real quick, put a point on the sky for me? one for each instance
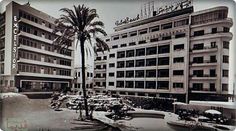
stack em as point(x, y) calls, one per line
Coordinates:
point(112, 10)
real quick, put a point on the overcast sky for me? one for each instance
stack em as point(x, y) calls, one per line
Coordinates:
point(111, 10)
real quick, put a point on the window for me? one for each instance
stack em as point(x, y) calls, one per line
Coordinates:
point(198, 33)
point(224, 87)
point(178, 72)
point(139, 63)
point(198, 73)
point(111, 83)
point(121, 54)
point(155, 28)
point(104, 84)
point(198, 46)
point(163, 49)
point(197, 59)
point(139, 84)
point(140, 52)
point(132, 43)
point(98, 58)
point(111, 55)
point(143, 32)
point(225, 59)
point(213, 59)
point(35, 32)
point(97, 83)
point(114, 46)
point(133, 33)
point(181, 22)
point(153, 39)
point(28, 30)
point(123, 45)
point(142, 42)
point(166, 37)
point(166, 26)
point(163, 73)
point(225, 73)
point(98, 76)
point(212, 87)
point(139, 73)
point(150, 85)
point(214, 30)
point(115, 37)
point(107, 40)
point(178, 85)
point(120, 64)
point(129, 53)
point(120, 74)
point(104, 57)
point(111, 74)
point(20, 13)
point(36, 20)
point(178, 59)
point(104, 66)
point(225, 29)
point(129, 84)
point(151, 62)
point(178, 47)
point(129, 74)
point(225, 44)
point(162, 84)
point(130, 63)
point(151, 50)
point(180, 35)
point(212, 73)
point(197, 86)
point(163, 61)
point(112, 65)
point(87, 74)
point(124, 36)
point(120, 84)
point(150, 73)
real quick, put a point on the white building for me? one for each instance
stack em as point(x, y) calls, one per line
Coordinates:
point(181, 54)
point(28, 59)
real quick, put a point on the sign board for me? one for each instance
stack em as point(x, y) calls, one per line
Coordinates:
point(14, 44)
point(145, 13)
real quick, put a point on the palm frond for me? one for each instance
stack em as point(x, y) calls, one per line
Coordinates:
point(97, 30)
point(101, 45)
point(97, 23)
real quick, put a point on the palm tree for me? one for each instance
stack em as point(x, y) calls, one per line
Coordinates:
point(80, 23)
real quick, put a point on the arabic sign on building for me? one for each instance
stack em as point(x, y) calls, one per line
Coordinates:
point(173, 7)
point(126, 20)
point(148, 10)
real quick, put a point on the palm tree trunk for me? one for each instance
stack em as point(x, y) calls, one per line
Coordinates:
point(83, 77)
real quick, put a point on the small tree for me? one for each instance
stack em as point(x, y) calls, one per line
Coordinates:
point(80, 24)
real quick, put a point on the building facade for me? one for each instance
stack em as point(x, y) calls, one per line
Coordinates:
point(29, 61)
point(180, 54)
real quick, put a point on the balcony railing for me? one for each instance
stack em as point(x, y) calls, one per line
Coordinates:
point(204, 75)
point(204, 48)
point(203, 89)
point(203, 62)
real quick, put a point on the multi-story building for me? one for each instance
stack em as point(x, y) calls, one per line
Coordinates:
point(29, 61)
point(100, 72)
point(180, 54)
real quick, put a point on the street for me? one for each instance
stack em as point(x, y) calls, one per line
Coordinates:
point(23, 114)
